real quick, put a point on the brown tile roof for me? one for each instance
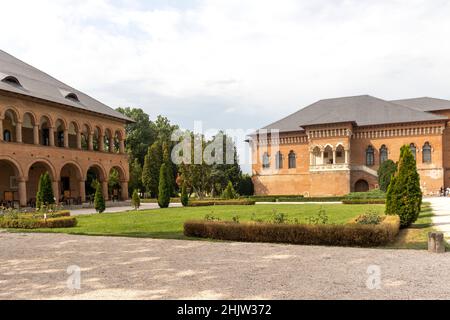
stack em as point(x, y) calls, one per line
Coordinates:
point(38, 84)
point(362, 110)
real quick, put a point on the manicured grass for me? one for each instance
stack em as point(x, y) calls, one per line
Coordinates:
point(168, 223)
point(416, 236)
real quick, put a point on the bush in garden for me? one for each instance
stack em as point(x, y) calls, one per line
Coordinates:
point(184, 196)
point(99, 200)
point(385, 173)
point(404, 197)
point(164, 187)
point(229, 193)
point(136, 200)
point(44, 196)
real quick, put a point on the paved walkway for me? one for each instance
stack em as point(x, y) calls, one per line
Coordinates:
point(144, 206)
point(34, 266)
point(441, 218)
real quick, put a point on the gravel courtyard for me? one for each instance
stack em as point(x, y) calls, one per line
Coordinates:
point(34, 266)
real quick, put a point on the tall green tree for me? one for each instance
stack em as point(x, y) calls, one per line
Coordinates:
point(385, 173)
point(151, 170)
point(141, 134)
point(99, 200)
point(45, 195)
point(135, 176)
point(404, 197)
point(170, 172)
point(164, 188)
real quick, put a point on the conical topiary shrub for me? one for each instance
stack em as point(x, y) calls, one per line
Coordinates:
point(44, 196)
point(184, 195)
point(136, 200)
point(99, 200)
point(164, 188)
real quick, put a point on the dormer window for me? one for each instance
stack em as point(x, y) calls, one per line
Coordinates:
point(73, 97)
point(12, 81)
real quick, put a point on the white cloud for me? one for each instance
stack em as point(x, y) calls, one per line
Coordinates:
point(234, 63)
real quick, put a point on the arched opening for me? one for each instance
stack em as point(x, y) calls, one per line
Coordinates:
point(328, 155)
point(9, 188)
point(28, 128)
point(383, 154)
point(94, 175)
point(73, 135)
point(117, 139)
point(96, 139)
point(361, 186)
point(12, 81)
point(107, 141)
point(426, 153)
point(59, 133)
point(279, 160)
point(34, 174)
point(292, 160)
point(316, 157)
point(413, 148)
point(85, 133)
point(370, 156)
point(44, 131)
point(266, 161)
point(340, 155)
point(115, 179)
point(9, 126)
point(70, 184)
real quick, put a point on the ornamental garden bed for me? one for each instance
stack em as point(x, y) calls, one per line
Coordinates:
point(16, 220)
point(207, 203)
point(352, 234)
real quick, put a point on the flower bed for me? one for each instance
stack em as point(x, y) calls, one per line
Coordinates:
point(13, 219)
point(207, 203)
point(353, 234)
point(294, 199)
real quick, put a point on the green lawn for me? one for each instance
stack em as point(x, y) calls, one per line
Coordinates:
point(168, 223)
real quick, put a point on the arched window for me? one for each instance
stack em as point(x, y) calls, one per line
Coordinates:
point(279, 160)
point(266, 161)
point(426, 153)
point(383, 154)
point(7, 136)
point(370, 156)
point(413, 148)
point(292, 160)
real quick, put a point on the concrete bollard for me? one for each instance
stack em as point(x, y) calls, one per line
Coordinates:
point(436, 242)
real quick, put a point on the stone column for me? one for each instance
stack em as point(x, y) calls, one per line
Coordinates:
point(111, 145)
point(101, 143)
point(347, 158)
point(56, 192)
point(334, 156)
point(36, 134)
point(323, 156)
point(105, 190)
point(51, 138)
point(79, 140)
point(66, 138)
point(91, 141)
point(124, 193)
point(82, 188)
point(122, 146)
point(22, 192)
point(19, 132)
point(1, 129)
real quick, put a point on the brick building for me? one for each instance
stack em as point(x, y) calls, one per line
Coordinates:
point(335, 146)
point(47, 126)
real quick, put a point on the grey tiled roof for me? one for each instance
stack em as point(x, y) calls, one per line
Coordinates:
point(362, 110)
point(38, 84)
point(425, 104)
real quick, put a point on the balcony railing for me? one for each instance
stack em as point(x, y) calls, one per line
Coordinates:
point(329, 167)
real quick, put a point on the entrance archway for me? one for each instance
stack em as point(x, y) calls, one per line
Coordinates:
point(361, 186)
point(71, 184)
point(9, 184)
point(118, 184)
point(34, 173)
point(95, 173)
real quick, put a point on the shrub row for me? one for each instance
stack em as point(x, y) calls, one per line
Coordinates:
point(28, 223)
point(295, 199)
point(208, 203)
point(38, 215)
point(374, 194)
point(364, 201)
point(304, 234)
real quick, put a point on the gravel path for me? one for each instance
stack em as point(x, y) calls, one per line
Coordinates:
point(33, 266)
point(144, 206)
point(441, 218)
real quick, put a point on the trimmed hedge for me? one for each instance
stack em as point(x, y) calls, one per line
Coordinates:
point(355, 235)
point(38, 215)
point(374, 194)
point(208, 203)
point(29, 223)
point(295, 199)
point(364, 201)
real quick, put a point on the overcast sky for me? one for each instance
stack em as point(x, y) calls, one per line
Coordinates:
point(234, 63)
